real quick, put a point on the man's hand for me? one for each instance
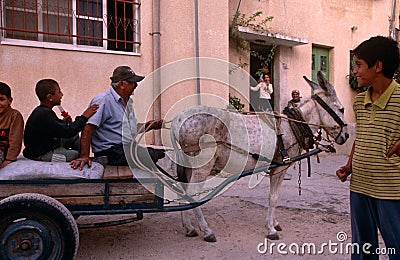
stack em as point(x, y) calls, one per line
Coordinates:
point(5, 163)
point(154, 124)
point(395, 150)
point(343, 172)
point(80, 162)
point(86, 139)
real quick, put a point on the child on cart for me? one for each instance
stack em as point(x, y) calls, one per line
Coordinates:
point(11, 128)
point(47, 137)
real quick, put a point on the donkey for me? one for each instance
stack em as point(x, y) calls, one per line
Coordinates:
point(236, 138)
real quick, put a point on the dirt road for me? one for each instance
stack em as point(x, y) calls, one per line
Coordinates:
point(237, 217)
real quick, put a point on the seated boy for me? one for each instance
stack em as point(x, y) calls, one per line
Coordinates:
point(47, 137)
point(11, 128)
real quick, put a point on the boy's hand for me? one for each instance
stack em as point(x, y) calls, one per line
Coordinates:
point(343, 172)
point(90, 111)
point(395, 150)
point(68, 119)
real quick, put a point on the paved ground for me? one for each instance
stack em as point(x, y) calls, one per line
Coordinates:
point(238, 220)
point(322, 191)
point(237, 217)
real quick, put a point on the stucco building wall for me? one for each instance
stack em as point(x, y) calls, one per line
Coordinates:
point(322, 23)
point(83, 74)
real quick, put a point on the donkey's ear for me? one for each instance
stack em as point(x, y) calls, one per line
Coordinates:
point(324, 84)
point(312, 84)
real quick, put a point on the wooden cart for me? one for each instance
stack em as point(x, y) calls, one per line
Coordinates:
point(38, 217)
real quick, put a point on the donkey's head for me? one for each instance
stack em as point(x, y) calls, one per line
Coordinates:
point(330, 109)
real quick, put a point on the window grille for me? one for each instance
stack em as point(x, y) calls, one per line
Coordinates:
point(106, 24)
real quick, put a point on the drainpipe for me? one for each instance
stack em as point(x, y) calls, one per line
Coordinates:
point(156, 65)
point(237, 10)
point(393, 21)
point(196, 25)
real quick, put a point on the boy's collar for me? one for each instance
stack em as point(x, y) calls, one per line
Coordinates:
point(382, 101)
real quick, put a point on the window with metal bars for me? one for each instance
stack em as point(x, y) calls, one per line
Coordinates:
point(106, 24)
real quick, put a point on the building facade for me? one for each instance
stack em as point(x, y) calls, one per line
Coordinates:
point(80, 42)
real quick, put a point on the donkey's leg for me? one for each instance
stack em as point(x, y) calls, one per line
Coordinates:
point(275, 184)
point(197, 179)
point(187, 224)
point(203, 225)
point(183, 175)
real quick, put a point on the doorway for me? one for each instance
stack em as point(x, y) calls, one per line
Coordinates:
point(320, 61)
point(256, 61)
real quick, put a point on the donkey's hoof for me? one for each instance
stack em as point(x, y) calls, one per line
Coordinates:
point(210, 238)
point(278, 228)
point(273, 236)
point(192, 233)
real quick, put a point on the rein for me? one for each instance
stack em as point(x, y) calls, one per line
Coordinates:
point(278, 115)
point(329, 110)
point(314, 97)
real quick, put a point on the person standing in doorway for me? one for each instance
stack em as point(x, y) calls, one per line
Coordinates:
point(265, 71)
point(265, 89)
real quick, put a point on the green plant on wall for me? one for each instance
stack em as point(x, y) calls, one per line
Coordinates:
point(235, 104)
point(396, 76)
point(256, 24)
point(250, 22)
point(242, 45)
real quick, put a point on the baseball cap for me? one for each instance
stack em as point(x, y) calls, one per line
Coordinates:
point(125, 73)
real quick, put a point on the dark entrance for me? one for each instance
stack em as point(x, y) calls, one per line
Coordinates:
point(255, 67)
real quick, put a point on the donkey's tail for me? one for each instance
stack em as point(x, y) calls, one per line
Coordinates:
point(179, 155)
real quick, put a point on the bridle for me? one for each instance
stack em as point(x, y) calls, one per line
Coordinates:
point(330, 111)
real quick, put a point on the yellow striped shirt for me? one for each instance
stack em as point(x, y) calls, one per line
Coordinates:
point(378, 128)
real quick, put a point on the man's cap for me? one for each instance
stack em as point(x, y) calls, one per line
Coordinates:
point(296, 91)
point(125, 73)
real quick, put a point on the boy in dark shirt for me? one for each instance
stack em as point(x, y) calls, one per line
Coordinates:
point(11, 128)
point(48, 138)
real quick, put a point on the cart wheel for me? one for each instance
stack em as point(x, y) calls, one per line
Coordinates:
point(35, 226)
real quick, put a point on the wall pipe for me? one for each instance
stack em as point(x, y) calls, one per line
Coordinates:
point(393, 21)
point(156, 65)
point(196, 25)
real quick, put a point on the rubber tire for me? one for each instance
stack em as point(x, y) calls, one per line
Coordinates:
point(35, 226)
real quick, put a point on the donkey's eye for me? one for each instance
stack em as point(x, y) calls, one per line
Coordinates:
point(341, 110)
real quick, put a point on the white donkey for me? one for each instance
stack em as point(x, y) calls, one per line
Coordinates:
point(235, 139)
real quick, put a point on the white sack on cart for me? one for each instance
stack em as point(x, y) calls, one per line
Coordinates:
point(25, 169)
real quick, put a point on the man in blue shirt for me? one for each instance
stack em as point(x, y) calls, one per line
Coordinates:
point(115, 123)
